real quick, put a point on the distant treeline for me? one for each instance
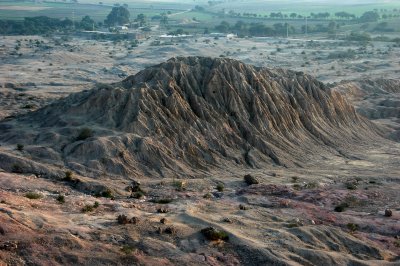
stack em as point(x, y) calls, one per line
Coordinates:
point(369, 16)
point(243, 29)
point(259, 30)
point(43, 25)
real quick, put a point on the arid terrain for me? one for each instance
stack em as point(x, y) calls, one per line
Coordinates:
point(288, 219)
point(81, 121)
point(200, 150)
point(47, 68)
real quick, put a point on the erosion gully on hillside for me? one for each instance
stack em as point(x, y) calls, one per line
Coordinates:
point(325, 188)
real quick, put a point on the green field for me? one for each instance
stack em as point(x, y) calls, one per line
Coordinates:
point(304, 7)
point(19, 10)
point(182, 18)
point(150, 8)
point(203, 16)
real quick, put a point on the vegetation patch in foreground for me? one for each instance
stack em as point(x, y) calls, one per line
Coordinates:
point(33, 195)
point(90, 208)
point(213, 234)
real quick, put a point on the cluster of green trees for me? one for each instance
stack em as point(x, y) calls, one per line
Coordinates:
point(243, 29)
point(324, 15)
point(330, 28)
point(34, 25)
point(369, 16)
point(344, 15)
point(254, 29)
point(44, 25)
point(87, 23)
point(119, 15)
point(278, 29)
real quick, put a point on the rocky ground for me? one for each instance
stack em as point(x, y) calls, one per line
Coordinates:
point(288, 218)
point(330, 209)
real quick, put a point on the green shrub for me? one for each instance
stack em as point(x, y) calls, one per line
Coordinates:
point(162, 210)
point(122, 219)
point(162, 201)
point(220, 187)
point(297, 187)
point(341, 207)
point(28, 106)
point(127, 249)
point(169, 230)
point(351, 185)
point(107, 194)
point(208, 196)
point(352, 227)
point(16, 168)
point(88, 208)
point(213, 234)
point(243, 207)
point(20, 147)
point(227, 220)
point(179, 185)
point(312, 185)
point(61, 199)
point(33, 195)
point(250, 180)
point(85, 133)
point(388, 213)
point(68, 176)
point(137, 195)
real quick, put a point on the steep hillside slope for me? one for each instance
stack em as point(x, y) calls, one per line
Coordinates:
point(189, 114)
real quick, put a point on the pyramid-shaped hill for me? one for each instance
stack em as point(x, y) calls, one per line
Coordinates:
point(191, 114)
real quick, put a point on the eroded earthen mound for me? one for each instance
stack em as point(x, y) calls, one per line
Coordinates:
point(189, 114)
point(378, 100)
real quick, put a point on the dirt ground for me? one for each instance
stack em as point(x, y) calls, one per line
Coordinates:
point(50, 67)
point(289, 218)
